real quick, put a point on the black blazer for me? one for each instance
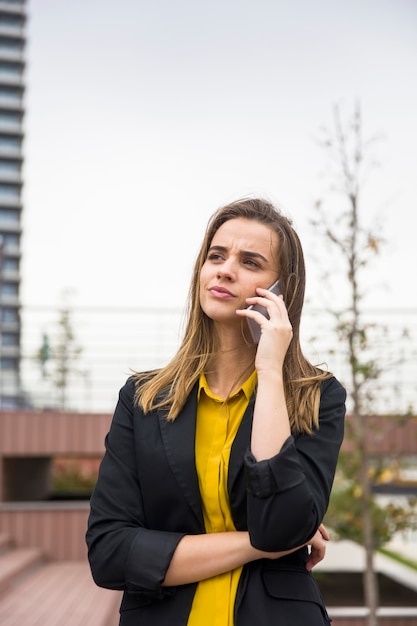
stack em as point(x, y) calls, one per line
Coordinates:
point(147, 498)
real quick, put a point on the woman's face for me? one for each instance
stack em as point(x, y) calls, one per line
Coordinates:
point(243, 256)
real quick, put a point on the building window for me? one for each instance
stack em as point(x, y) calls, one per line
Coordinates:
point(9, 216)
point(11, 45)
point(11, 20)
point(9, 339)
point(9, 289)
point(9, 167)
point(10, 141)
point(10, 265)
point(14, 69)
point(8, 364)
point(7, 117)
point(9, 191)
point(9, 316)
point(13, 96)
point(10, 240)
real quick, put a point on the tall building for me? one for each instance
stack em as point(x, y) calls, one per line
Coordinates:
point(12, 47)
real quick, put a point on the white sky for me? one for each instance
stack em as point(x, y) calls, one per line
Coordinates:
point(144, 117)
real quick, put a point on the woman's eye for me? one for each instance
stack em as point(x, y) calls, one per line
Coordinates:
point(251, 262)
point(214, 256)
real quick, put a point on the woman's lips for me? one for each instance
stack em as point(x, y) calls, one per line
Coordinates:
point(221, 293)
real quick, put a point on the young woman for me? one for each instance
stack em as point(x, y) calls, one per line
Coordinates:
point(218, 467)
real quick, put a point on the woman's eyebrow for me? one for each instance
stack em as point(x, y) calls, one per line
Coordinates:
point(253, 255)
point(218, 248)
point(243, 253)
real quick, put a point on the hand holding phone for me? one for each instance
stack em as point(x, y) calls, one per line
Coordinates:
point(254, 327)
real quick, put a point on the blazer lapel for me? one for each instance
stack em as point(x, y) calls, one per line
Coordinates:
point(179, 440)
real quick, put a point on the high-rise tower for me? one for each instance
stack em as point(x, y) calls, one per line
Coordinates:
point(12, 45)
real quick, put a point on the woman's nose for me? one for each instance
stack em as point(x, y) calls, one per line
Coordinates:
point(227, 270)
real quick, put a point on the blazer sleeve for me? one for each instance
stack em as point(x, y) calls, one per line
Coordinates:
point(288, 495)
point(122, 552)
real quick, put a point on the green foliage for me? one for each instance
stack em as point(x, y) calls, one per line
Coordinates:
point(345, 518)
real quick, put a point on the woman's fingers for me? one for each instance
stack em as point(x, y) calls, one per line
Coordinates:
point(317, 547)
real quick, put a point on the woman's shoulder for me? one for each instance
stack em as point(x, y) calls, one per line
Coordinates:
point(332, 383)
point(129, 389)
point(332, 391)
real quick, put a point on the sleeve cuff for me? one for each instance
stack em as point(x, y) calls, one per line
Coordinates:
point(149, 558)
point(279, 473)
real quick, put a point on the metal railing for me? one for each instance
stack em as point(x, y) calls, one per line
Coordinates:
point(107, 344)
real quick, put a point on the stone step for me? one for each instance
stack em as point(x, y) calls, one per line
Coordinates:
point(15, 563)
point(5, 543)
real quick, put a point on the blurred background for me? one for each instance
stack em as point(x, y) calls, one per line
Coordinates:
point(123, 127)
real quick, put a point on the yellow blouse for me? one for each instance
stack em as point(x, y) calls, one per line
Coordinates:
point(217, 425)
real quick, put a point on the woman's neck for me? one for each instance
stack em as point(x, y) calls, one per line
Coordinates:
point(228, 369)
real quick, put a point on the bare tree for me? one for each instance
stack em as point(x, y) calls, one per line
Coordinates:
point(58, 358)
point(66, 355)
point(355, 245)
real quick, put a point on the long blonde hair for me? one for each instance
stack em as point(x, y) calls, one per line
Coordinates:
point(169, 387)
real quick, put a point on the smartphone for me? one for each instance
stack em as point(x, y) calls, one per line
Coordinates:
point(255, 329)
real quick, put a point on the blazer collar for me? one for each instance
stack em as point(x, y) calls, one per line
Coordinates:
point(179, 441)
